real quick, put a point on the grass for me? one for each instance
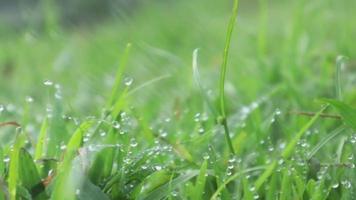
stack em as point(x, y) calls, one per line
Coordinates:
point(124, 114)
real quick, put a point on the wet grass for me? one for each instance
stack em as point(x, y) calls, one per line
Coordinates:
point(120, 111)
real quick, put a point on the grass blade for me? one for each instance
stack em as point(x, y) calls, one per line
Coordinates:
point(197, 79)
point(64, 168)
point(348, 113)
point(14, 164)
point(332, 135)
point(119, 74)
point(200, 182)
point(223, 75)
point(41, 140)
point(287, 152)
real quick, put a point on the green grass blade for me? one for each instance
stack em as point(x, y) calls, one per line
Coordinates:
point(330, 136)
point(65, 166)
point(29, 176)
point(200, 182)
point(197, 79)
point(161, 192)
point(287, 152)
point(223, 75)
point(348, 113)
point(119, 74)
point(232, 178)
point(41, 140)
point(14, 164)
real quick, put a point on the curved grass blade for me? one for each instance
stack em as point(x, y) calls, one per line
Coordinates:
point(14, 164)
point(223, 76)
point(332, 135)
point(119, 74)
point(41, 140)
point(233, 177)
point(287, 152)
point(347, 113)
point(200, 182)
point(29, 176)
point(161, 191)
point(65, 166)
point(197, 79)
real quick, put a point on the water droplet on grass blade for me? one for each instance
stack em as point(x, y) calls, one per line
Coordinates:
point(48, 83)
point(29, 99)
point(128, 81)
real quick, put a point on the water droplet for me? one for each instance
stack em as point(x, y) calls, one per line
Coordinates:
point(206, 157)
point(335, 185)
point(280, 161)
point(128, 81)
point(158, 167)
point(278, 112)
point(48, 83)
point(252, 188)
point(7, 159)
point(197, 117)
point(116, 125)
point(133, 143)
point(174, 193)
point(103, 133)
point(29, 99)
point(346, 184)
point(63, 147)
point(2, 108)
point(77, 191)
point(353, 139)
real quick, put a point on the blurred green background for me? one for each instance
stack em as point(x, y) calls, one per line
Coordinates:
point(77, 44)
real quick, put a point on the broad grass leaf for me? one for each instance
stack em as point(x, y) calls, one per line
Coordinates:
point(29, 176)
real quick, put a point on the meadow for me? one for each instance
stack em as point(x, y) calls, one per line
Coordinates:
point(197, 99)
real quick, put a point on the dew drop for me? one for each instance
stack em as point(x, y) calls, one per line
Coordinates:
point(128, 81)
point(6, 159)
point(335, 185)
point(133, 143)
point(48, 83)
point(158, 167)
point(29, 99)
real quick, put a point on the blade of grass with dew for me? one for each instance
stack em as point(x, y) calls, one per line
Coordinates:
point(65, 166)
point(347, 113)
point(41, 140)
point(232, 178)
point(14, 164)
point(286, 192)
point(161, 192)
point(287, 152)
point(200, 182)
point(330, 136)
point(222, 119)
point(119, 74)
point(29, 176)
point(197, 79)
point(103, 161)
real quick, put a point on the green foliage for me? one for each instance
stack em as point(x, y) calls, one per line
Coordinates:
point(144, 124)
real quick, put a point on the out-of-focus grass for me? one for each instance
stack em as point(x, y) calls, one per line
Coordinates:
point(152, 142)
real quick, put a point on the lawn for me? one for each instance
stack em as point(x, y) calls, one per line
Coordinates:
point(190, 99)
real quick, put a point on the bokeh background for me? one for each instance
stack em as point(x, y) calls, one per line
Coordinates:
point(77, 44)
